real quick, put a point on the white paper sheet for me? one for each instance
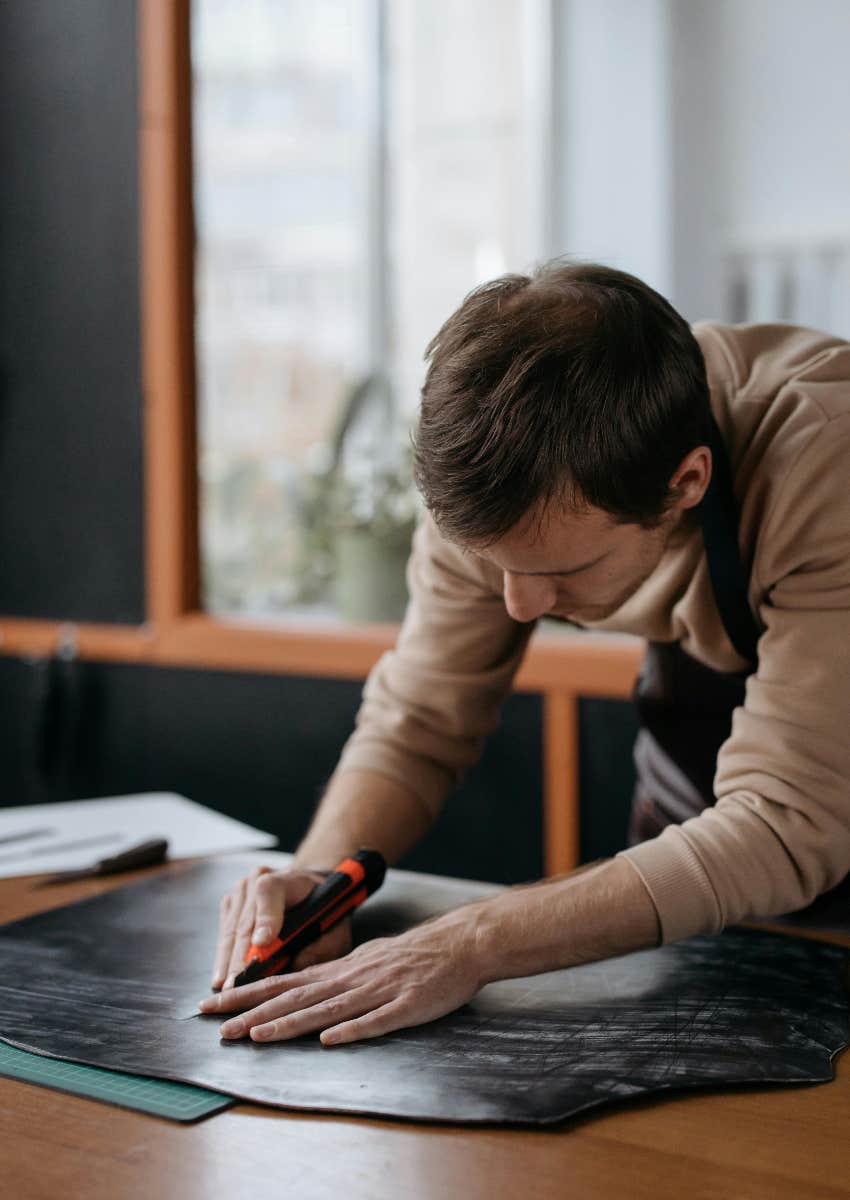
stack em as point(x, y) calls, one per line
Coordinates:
point(122, 822)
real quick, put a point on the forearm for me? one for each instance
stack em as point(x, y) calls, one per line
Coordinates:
point(363, 808)
point(594, 913)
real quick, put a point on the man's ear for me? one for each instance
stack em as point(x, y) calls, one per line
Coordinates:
point(691, 477)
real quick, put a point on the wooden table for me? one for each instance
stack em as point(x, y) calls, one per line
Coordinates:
point(789, 1142)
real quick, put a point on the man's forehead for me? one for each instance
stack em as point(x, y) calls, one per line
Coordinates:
point(554, 543)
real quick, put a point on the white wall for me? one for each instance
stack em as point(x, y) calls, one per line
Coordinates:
point(613, 123)
point(760, 100)
point(691, 125)
point(783, 105)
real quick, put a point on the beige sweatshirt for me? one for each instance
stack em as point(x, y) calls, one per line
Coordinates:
point(779, 832)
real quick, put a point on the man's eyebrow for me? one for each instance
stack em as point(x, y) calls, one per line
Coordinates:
point(567, 570)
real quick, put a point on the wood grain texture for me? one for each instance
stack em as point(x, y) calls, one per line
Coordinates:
point(787, 1144)
point(249, 1152)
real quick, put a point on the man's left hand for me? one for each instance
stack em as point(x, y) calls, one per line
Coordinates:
point(385, 984)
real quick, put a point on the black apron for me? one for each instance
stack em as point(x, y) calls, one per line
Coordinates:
point(686, 708)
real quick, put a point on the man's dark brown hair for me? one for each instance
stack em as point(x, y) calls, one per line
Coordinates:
point(577, 383)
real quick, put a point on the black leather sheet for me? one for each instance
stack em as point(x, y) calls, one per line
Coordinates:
point(114, 982)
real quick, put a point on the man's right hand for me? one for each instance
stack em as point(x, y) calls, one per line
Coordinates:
point(252, 913)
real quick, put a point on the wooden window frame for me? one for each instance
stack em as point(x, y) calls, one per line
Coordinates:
point(560, 667)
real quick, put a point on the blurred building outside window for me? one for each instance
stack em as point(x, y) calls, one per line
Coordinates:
point(359, 166)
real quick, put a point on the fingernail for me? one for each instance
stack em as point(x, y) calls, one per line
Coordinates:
point(229, 982)
point(261, 934)
point(208, 1002)
point(233, 1028)
point(261, 1033)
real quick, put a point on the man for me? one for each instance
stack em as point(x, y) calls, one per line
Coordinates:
point(584, 453)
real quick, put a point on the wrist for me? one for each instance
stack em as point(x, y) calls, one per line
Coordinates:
point(318, 859)
point(471, 930)
point(595, 912)
point(487, 932)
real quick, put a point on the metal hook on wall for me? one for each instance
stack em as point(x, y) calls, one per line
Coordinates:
point(54, 703)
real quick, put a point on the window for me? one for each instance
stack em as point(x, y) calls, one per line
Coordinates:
point(358, 167)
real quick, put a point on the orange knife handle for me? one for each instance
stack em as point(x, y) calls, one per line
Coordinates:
point(347, 886)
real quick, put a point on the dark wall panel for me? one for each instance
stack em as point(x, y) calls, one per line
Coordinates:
point(492, 828)
point(607, 730)
point(257, 747)
point(262, 747)
point(70, 390)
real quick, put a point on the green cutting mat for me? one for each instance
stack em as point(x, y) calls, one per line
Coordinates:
point(179, 1101)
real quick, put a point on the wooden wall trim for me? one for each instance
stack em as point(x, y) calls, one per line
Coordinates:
point(228, 644)
point(561, 801)
point(581, 663)
point(25, 638)
point(167, 310)
point(586, 664)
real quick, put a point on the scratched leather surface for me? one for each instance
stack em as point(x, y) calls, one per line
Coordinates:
point(113, 981)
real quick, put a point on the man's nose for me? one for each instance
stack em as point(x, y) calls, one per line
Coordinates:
point(527, 597)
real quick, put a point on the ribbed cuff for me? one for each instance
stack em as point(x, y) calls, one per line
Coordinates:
point(677, 884)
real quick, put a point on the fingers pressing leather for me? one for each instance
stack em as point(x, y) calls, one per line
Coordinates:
point(243, 925)
point(228, 916)
point(236, 999)
point(390, 1016)
point(292, 1015)
point(288, 1002)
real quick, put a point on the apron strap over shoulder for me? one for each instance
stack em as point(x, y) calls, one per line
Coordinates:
point(686, 707)
point(719, 517)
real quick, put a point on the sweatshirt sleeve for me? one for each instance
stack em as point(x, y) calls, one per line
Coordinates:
point(779, 832)
point(429, 703)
